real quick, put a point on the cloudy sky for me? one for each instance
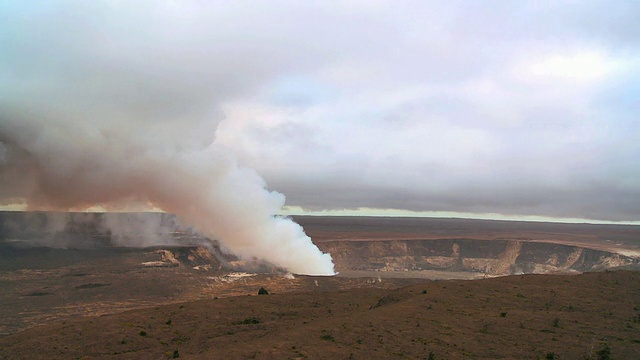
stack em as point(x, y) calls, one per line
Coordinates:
point(478, 108)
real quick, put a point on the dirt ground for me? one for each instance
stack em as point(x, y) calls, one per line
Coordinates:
point(102, 303)
point(588, 316)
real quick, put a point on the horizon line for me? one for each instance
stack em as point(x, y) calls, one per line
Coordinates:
point(382, 213)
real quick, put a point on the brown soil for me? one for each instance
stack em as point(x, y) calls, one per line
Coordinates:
point(101, 301)
point(122, 280)
point(517, 317)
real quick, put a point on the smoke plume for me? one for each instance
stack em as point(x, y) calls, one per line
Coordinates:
point(94, 115)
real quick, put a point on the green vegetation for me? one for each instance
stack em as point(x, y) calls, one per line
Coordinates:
point(604, 353)
point(327, 337)
point(249, 320)
point(91, 286)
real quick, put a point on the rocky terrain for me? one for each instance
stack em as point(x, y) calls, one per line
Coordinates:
point(128, 272)
point(480, 247)
point(56, 284)
point(496, 257)
point(588, 316)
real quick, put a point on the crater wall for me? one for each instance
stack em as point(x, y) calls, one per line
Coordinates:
point(491, 257)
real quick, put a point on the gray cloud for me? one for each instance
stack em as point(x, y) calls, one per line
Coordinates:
point(517, 109)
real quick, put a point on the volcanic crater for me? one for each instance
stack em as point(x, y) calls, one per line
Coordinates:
point(52, 271)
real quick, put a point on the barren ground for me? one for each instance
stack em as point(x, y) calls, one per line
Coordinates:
point(518, 317)
point(103, 303)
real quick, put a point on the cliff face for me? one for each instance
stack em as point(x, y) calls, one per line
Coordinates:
point(369, 244)
point(491, 257)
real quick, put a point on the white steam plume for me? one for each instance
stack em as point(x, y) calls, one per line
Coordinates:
point(91, 114)
point(79, 167)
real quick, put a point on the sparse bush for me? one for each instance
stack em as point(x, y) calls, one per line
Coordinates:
point(386, 300)
point(556, 322)
point(503, 314)
point(604, 353)
point(327, 337)
point(263, 291)
point(425, 292)
point(250, 320)
point(176, 354)
point(143, 333)
point(550, 356)
point(432, 356)
point(168, 322)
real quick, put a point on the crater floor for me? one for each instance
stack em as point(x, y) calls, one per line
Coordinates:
point(92, 275)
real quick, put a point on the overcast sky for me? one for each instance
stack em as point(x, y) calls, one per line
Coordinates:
point(505, 107)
